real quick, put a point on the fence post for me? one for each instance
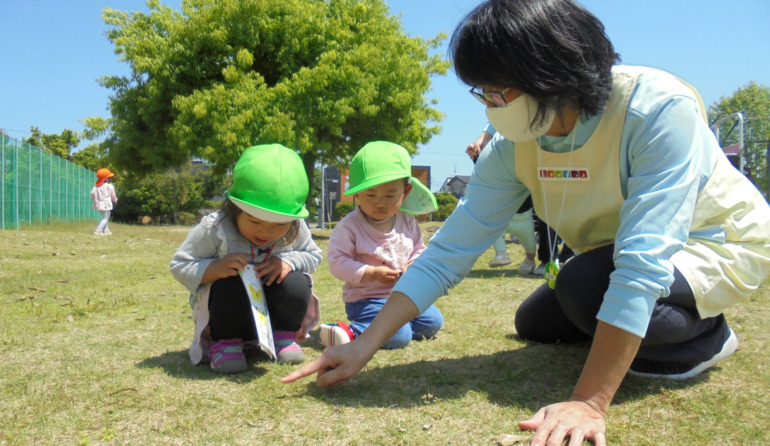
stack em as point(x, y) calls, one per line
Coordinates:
point(59, 189)
point(2, 181)
point(16, 186)
point(40, 185)
point(29, 184)
point(50, 189)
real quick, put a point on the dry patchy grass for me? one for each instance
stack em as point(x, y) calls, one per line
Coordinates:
point(95, 333)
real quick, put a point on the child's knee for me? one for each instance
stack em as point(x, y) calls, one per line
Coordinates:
point(396, 343)
point(295, 284)
point(228, 293)
point(427, 331)
point(428, 324)
point(400, 340)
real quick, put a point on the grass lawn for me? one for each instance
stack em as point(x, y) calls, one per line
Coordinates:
point(94, 334)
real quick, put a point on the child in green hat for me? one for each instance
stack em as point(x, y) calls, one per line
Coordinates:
point(373, 245)
point(260, 223)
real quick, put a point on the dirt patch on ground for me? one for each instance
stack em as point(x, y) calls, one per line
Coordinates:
point(429, 230)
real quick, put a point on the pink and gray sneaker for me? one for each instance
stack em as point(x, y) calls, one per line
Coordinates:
point(286, 347)
point(227, 356)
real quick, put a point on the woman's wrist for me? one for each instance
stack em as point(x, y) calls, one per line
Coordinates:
point(366, 346)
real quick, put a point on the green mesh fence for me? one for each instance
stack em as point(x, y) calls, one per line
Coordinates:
point(37, 187)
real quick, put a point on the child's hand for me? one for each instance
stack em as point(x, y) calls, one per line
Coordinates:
point(383, 274)
point(228, 266)
point(274, 269)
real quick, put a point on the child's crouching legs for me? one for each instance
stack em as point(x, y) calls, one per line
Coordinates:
point(401, 339)
point(287, 301)
point(362, 312)
point(427, 324)
point(229, 310)
point(230, 322)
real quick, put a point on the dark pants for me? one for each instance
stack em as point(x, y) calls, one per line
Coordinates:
point(546, 238)
point(230, 310)
point(676, 335)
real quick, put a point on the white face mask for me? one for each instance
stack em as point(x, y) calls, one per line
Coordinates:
point(513, 120)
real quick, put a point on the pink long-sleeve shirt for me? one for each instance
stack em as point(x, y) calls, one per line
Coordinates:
point(355, 244)
point(103, 197)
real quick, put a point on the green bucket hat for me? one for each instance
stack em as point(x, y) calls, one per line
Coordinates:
point(380, 162)
point(270, 183)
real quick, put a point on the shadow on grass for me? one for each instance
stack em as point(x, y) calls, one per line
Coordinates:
point(178, 365)
point(529, 378)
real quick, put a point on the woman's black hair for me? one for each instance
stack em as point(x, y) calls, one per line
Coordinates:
point(229, 211)
point(553, 50)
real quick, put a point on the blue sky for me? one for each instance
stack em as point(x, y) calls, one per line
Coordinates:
point(52, 52)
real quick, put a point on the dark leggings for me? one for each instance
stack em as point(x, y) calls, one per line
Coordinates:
point(230, 310)
point(547, 237)
point(568, 313)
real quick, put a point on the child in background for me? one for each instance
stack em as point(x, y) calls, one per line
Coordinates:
point(521, 226)
point(372, 246)
point(261, 223)
point(104, 198)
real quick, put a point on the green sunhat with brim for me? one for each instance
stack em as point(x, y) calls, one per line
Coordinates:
point(380, 162)
point(270, 183)
point(420, 199)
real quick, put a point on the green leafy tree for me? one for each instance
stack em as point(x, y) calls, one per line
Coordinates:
point(35, 138)
point(94, 156)
point(90, 157)
point(753, 101)
point(60, 145)
point(322, 77)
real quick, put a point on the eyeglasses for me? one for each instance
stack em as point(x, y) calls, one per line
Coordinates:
point(497, 98)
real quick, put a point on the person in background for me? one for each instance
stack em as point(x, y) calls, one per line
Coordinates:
point(103, 199)
point(261, 222)
point(523, 225)
point(374, 244)
point(621, 162)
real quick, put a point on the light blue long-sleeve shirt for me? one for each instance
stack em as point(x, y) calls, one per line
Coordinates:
point(667, 154)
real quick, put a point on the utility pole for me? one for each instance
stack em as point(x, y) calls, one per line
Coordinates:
point(321, 223)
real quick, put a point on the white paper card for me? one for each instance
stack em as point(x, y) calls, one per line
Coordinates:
point(259, 310)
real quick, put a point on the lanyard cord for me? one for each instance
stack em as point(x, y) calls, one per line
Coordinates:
point(552, 245)
point(253, 259)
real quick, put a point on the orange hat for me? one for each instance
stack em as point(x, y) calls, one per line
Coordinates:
point(103, 174)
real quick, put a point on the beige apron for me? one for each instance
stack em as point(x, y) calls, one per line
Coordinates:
point(582, 196)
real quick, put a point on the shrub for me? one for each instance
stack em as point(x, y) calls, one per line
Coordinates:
point(167, 197)
point(343, 208)
point(446, 205)
point(186, 218)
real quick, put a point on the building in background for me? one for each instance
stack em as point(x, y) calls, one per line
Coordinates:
point(456, 185)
